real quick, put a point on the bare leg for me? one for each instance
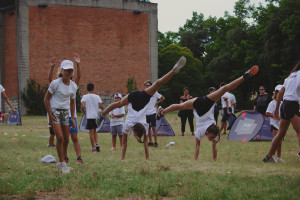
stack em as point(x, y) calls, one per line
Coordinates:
point(296, 125)
point(92, 137)
point(215, 96)
point(51, 139)
point(120, 137)
point(223, 126)
point(150, 135)
point(284, 125)
point(146, 147)
point(154, 133)
point(76, 143)
point(183, 106)
point(118, 104)
point(163, 80)
point(59, 141)
point(114, 140)
point(96, 136)
point(66, 133)
point(124, 146)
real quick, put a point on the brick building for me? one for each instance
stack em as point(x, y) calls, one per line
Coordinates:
point(115, 39)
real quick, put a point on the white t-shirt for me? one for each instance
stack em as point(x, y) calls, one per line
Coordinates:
point(134, 117)
point(292, 87)
point(271, 109)
point(117, 120)
point(151, 105)
point(232, 101)
point(91, 105)
point(61, 94)
point(223, 102)
point(204, 122)
point(1, 90)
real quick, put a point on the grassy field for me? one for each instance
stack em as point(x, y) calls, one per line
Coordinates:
point(171, 172)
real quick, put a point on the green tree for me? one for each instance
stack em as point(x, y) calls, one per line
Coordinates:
point(191, 75)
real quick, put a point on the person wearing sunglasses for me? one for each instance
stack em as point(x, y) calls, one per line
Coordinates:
point(262, 101)
point(204, 112)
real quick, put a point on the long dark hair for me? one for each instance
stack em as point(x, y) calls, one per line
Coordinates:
point(140, 131)
point(297, 67)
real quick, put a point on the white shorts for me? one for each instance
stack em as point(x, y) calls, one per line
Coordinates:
point(128, 126)
point(201, 130)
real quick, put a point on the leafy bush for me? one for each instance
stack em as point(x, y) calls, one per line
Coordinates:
point(131, 84)
point(33, 97)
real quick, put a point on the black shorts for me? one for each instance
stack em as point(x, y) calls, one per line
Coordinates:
point(288, 109)
point(51, 131)
point(138, 99)
point(151, 120)
point(273, 128)
point(202, 105)
point(91, 124)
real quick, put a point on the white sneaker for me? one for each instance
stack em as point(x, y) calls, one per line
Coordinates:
point(113, 149)
point(274, 158)
point(62, 166)
point(180, 64)
point(279, 159)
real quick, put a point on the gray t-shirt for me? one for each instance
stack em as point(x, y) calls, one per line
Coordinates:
point(61, 94)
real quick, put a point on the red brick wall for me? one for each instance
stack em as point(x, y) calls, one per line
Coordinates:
point(113, 44)
point(10, 55)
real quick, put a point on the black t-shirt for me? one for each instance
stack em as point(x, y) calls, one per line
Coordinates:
point(138, 99)
point(262, 102)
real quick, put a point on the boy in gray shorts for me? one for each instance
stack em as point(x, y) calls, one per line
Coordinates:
point(116, 122)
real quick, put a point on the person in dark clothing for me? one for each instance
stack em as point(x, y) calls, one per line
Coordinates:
point(262, 101)
point(186, 114)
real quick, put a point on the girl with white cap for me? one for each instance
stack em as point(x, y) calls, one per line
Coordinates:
point(274, 121)
point(59, 98)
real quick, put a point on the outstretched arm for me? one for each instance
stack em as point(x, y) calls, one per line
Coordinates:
point(196, 148)
point(124, 101)
point(214, 150)
point(146, 146)
point(124, 146)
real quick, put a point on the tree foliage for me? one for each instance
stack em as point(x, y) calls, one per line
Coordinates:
point(227, 46)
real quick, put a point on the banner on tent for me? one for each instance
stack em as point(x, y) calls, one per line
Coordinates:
point(250, 125)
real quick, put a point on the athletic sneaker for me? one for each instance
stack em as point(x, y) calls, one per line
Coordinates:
point(298, 154)
point(180, 64)
point(150, 144)
point(79, 160)
point(99, 118)
point(97, 147)
point(62, 166)
point(50, 145)
point(66, 159)
point(94, 150)
point(155, 144)
point(268, 159)
point(113, 149)
point(279, 159)
point(251, 72)
point(158, 113)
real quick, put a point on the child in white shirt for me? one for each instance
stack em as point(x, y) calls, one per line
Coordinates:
point(116, 122)
point(90, 103)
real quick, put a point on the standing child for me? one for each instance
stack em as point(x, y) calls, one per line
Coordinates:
point(275, 122)
point(73, 132)
point(90, 103)
point(59, 98)
point(151, 112)
point(116, 122)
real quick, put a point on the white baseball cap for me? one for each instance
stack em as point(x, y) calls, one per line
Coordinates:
point(67, 64)
point(278, 87)
point(118, 95)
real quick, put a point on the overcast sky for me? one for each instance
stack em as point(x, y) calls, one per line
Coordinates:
point(173, 13)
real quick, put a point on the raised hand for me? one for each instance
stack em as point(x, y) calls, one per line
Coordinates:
point(77, 58)
point(53, 61)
